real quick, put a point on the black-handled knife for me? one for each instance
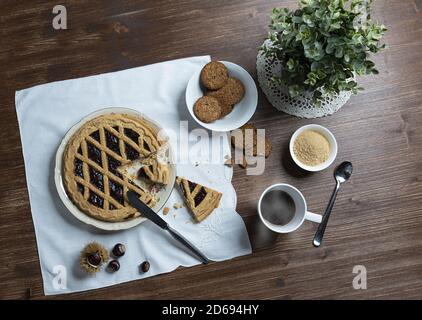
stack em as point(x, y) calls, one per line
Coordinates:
point(151, 215)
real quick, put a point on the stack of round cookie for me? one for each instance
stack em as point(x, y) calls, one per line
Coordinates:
point(222, 93)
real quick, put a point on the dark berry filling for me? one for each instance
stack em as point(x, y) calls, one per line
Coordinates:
point(146, 146)
point(81, 188)
point(96, 178)
point(94, 153)
point(113, 164)
point(131, 153)
point(96, 135)
point(200, 196)
point(78, 170)
point(95, 199)
point(112, 142)
point(132, 135)
point(116, 191)
point(111, 207)
point(192, 185)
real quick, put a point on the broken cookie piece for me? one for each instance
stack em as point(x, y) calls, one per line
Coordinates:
point(177, 205)
point(248, 141)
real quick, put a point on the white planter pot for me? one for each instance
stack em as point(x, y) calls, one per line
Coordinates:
point(301, 106)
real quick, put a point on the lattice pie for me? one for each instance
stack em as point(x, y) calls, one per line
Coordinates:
point(92, 157)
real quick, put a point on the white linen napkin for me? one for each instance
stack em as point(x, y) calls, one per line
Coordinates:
point(46, 112)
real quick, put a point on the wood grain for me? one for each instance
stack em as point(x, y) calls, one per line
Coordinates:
point(377, 220)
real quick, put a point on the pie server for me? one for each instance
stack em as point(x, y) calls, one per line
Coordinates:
point(152, 216)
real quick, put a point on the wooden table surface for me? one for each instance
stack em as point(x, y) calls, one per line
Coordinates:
point(377, 219)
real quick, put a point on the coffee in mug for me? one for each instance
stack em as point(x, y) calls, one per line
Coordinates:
point(278, 207)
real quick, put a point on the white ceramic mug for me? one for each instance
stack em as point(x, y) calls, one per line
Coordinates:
point(301, 210)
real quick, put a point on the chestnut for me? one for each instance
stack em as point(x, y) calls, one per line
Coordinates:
point(114, 265)
point(119, 250)
point(145, 266)
point(94, 259)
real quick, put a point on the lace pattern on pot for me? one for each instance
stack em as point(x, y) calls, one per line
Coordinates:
point(301, 106)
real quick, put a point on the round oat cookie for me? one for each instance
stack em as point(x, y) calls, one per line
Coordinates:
point(214, 75)
point(225, 109)
point(230, 94)
point(207, 109)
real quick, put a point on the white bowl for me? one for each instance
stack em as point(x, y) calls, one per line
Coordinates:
point(331, 139)
point(163, 194)
point(242, 111)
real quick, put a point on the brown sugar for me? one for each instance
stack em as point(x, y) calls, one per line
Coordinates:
point(311, 148)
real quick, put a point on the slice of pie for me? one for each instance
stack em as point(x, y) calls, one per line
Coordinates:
point(91, 159)
point(199, 199)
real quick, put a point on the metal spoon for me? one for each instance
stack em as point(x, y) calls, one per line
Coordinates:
point(341, 174)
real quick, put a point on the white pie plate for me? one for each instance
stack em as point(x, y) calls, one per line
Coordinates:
point(163, 194)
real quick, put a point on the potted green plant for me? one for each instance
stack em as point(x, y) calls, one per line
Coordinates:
point(320, 48)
